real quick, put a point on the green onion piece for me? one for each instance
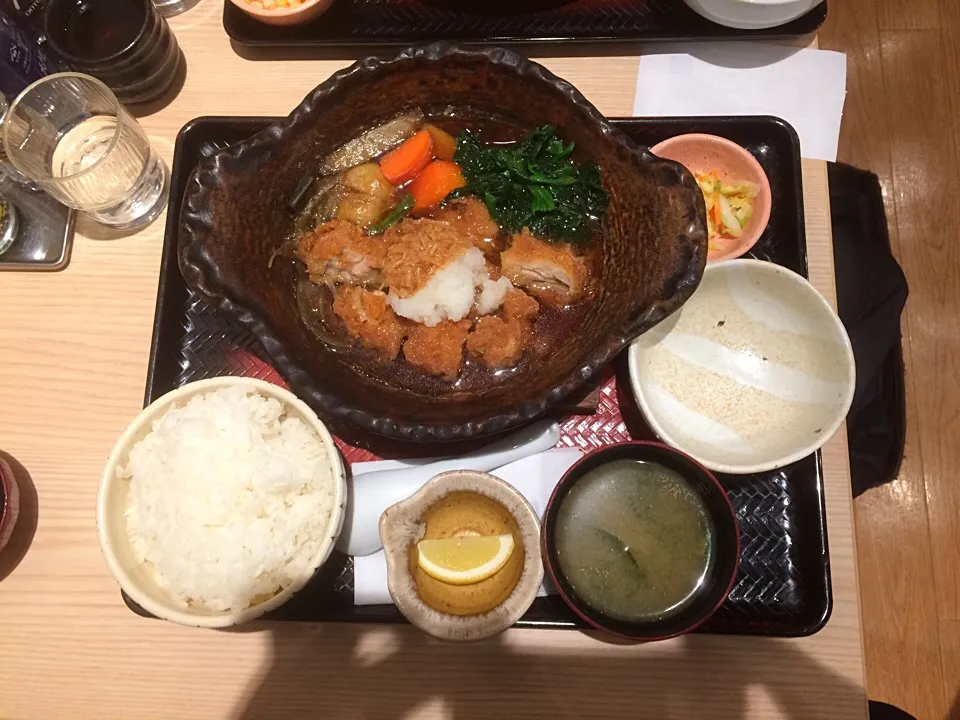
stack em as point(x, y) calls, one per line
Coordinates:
point(398, 213)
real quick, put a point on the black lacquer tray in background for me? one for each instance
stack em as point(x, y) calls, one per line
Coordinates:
point(406, 22)
point(783, 587)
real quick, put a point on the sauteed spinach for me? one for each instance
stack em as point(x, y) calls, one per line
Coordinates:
point(535, 184)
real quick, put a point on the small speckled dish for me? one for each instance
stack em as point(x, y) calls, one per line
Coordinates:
point(754, 373)
point(702, 153)
point(401, 528)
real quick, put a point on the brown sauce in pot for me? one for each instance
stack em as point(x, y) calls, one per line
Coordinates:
point(551, 327)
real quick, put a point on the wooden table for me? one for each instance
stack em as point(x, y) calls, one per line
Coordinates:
point(73, 354)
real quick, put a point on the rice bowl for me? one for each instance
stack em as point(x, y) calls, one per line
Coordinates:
point(220, 501)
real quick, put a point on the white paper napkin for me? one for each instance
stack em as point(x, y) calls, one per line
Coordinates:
point(535, 477)
point(805, 87)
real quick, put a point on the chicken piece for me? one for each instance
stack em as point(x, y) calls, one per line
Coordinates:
point(416, 249)
point(438, 350)
point(501, 340)
point(368, 318)
point(339, 252)
point(498, 341)
point(517, 304)
point(548, 270)
point(470, 217)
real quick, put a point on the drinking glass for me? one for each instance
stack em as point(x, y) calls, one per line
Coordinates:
point(4, 106)
point(72, 136)
point(169, 8)
point(6, 168)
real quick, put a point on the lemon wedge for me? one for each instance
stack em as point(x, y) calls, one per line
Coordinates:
point(464, 560)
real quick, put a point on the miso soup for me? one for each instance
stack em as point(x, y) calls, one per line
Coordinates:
point(634, 540)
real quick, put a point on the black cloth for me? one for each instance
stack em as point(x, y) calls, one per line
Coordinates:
point(871, 293)
point(882, 711)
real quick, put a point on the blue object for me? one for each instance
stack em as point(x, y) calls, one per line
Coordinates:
point(23, 60)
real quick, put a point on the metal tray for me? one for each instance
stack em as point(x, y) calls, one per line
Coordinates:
point(783, 588)
point(351, 23)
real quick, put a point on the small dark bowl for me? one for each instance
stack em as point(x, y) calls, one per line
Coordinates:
point(653, 241)
point(9, 503)
point(720, 576)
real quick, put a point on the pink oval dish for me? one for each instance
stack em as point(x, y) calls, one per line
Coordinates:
point(285, 16)
point(702, 153)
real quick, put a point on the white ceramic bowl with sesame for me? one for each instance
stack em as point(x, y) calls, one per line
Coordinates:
point(755, 371)
point(283, 12)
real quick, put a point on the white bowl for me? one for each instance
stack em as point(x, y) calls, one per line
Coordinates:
point(753, 373)
point(135, 577)
point(752, 14)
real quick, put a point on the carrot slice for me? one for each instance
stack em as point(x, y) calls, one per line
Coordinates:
point(717, 215)
point(404, 162)
point(438, 179)
point(444, 144)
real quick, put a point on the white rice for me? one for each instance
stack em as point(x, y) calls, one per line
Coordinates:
point(448, 295)
point(230, 499)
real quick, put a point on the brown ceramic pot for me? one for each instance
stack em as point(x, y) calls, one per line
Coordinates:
point(653, 244)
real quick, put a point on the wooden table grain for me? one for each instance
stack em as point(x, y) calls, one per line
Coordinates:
point(73, 355)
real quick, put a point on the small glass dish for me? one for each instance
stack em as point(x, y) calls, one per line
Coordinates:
point(9, 224)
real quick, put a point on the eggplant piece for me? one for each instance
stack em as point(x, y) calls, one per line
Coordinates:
point(372, 143)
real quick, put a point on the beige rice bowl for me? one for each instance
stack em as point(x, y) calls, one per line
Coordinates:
point(220, 501)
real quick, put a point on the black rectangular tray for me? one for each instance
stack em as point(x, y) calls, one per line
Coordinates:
point(783, 587)
point(350, 23)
